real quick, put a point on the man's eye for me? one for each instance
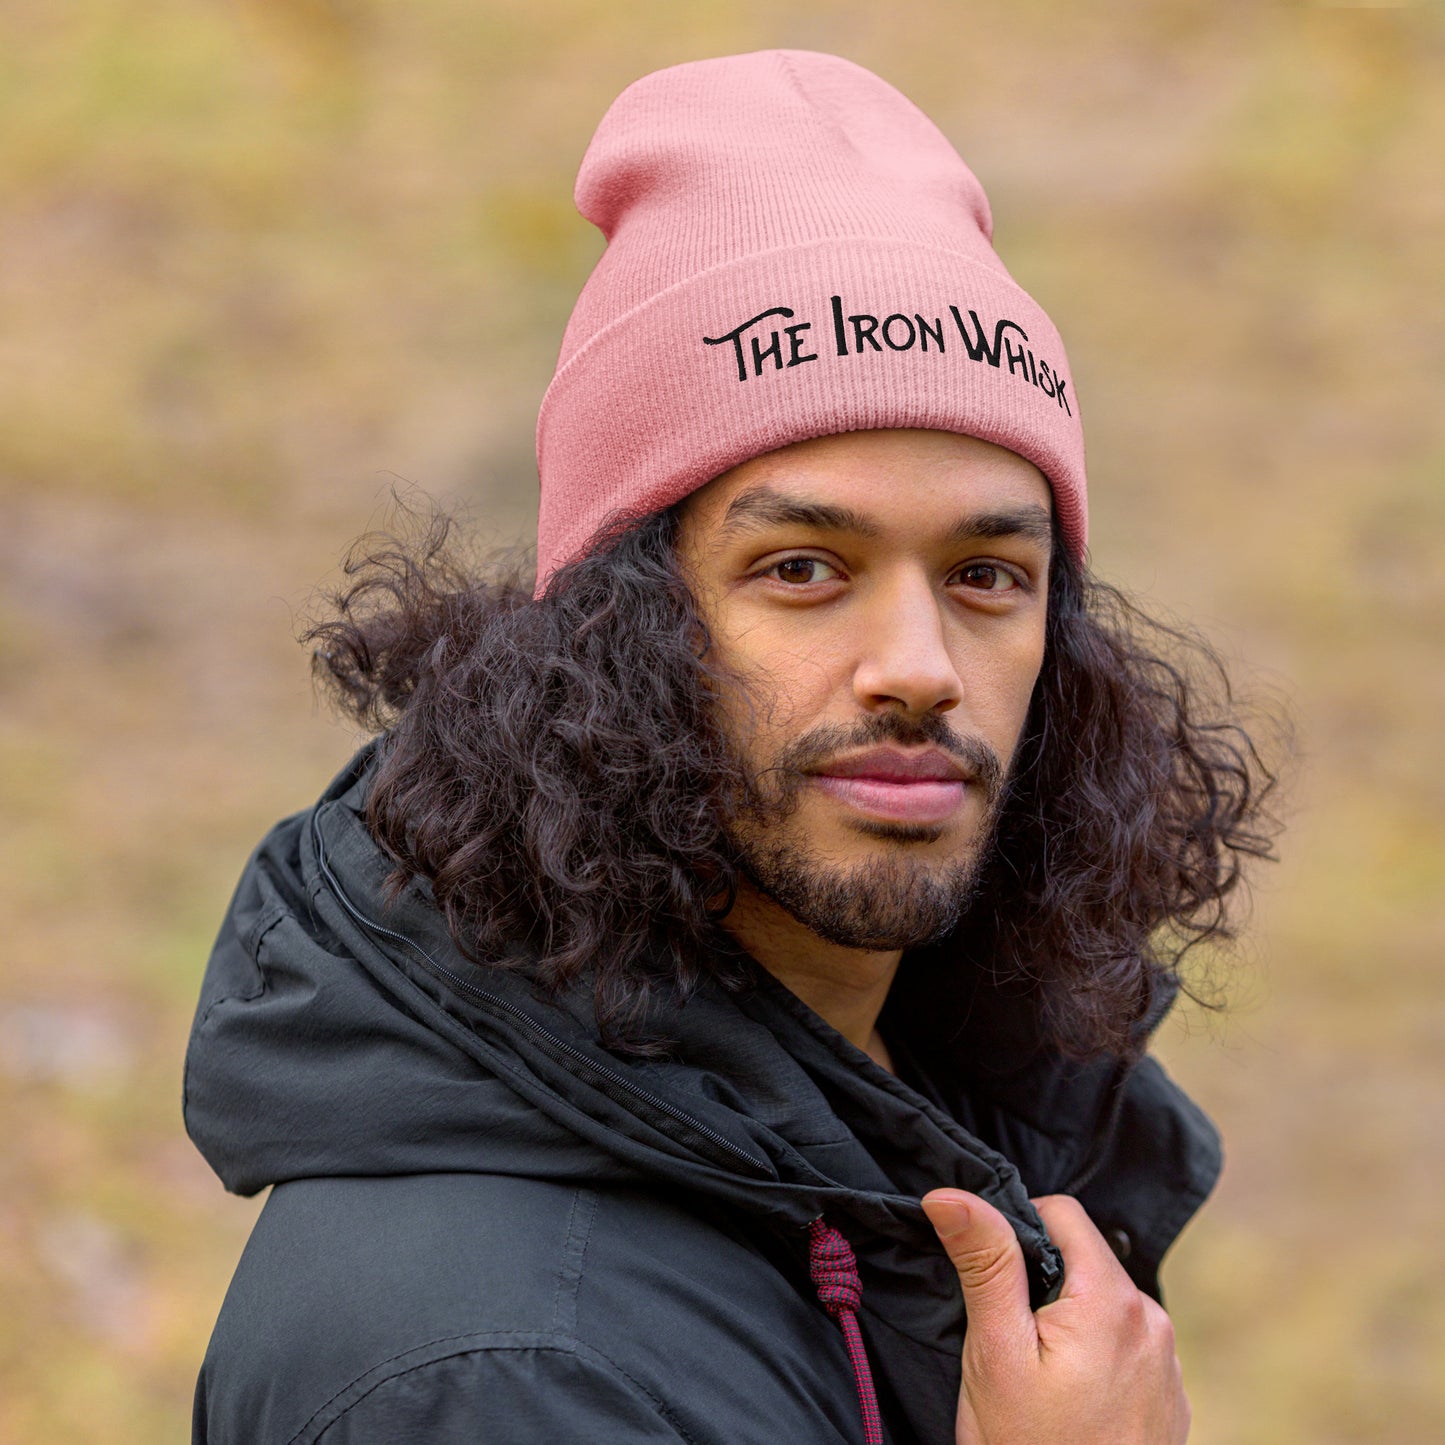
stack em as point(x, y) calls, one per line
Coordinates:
point(984, 577)
point(802, 569)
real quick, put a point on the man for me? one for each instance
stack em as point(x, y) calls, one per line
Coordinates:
point(733, 964)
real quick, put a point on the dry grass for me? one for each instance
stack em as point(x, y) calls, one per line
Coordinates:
point(258, 260)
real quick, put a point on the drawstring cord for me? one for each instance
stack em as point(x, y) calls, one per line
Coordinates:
point(835, 1276)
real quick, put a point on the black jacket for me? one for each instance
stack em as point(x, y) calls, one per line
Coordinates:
point(485, 1227)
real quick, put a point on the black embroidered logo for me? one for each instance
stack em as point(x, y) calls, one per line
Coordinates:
point(773, 349)
point(863, 334)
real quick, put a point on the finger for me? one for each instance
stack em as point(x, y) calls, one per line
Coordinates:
point(985, 1251)
point(1089, 1263)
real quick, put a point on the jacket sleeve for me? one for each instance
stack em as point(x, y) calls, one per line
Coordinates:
point(493, 1394)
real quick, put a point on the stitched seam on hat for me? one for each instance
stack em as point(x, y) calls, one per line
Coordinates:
point(785, 62)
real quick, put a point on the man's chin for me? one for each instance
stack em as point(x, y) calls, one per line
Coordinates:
point(881, 903)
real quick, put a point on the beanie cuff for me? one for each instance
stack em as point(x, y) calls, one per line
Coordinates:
point(843, 334)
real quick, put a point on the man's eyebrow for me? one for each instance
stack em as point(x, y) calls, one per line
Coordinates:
point(761, 507)
point(1032, 522)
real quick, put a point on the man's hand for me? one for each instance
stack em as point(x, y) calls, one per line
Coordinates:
point(1095, 1367)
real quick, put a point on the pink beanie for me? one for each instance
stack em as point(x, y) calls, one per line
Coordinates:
point(793, 250)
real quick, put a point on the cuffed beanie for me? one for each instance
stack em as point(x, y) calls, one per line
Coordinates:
point(793, 250)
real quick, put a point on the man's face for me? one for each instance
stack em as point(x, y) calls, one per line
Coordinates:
point(881, 595)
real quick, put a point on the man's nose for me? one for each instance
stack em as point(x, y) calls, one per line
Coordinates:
point(903, 654)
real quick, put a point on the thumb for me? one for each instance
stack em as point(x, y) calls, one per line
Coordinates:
point(984, 1250)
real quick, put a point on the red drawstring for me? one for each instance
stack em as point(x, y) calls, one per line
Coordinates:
point(835, 1276)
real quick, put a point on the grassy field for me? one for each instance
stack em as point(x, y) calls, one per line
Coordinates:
point(261, 262)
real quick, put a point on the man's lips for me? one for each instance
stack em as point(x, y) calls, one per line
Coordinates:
point(924, 787)
point(890, 766)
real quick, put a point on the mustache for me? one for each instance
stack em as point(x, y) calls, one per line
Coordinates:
point(807, 753)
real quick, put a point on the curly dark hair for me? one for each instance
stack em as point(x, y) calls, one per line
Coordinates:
point(554, 771)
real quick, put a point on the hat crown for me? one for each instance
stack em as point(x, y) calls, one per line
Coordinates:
point(702, 164)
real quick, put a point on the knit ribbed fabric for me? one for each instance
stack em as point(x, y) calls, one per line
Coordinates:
point(793, 250)
point(840, 1291)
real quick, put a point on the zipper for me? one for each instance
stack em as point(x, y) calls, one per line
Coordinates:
point(539, 1031)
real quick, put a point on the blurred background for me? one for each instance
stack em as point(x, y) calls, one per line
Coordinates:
point(260, 263)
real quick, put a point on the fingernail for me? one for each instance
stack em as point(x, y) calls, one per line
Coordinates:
point(953, 1207)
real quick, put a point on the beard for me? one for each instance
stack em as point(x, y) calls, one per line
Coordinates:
point(885, 903)
point(898, 899)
